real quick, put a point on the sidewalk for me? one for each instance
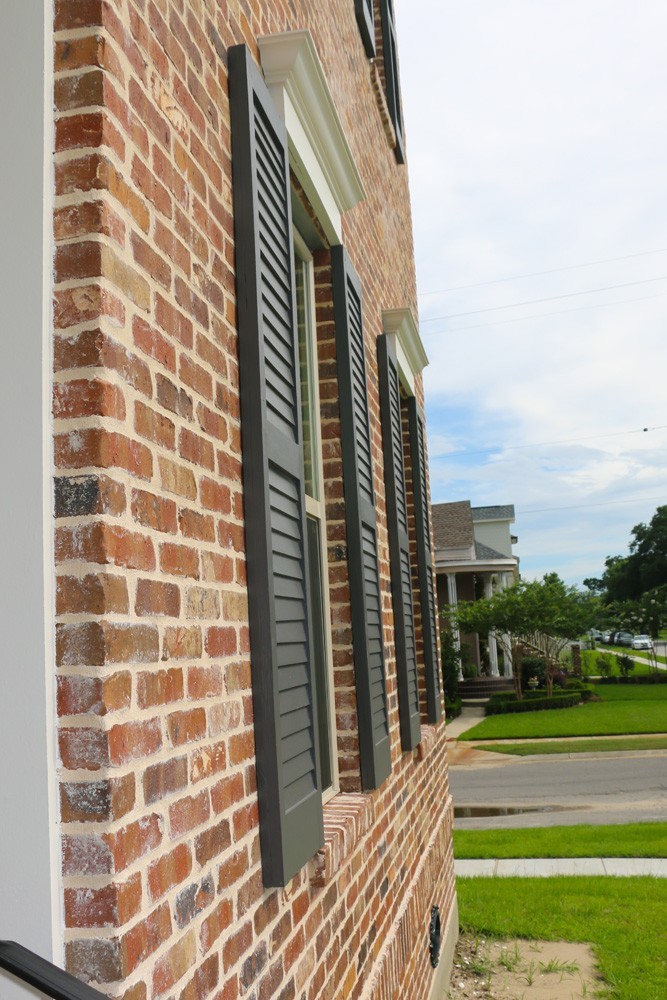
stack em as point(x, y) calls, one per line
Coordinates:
point(547, 867)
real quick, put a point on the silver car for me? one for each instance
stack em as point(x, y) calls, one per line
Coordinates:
point(642, 642)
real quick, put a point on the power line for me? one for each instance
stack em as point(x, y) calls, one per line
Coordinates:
point(546, 444)
point(537, 274)
point(580, 506)
point(556, 312)
point(550, 298)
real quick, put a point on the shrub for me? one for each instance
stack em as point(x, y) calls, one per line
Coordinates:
point(625, 664)
point(453, 707)
point(604, 662)
point(533, 666)
point(536, 704)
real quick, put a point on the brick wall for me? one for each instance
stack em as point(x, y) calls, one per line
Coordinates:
point(162, 887)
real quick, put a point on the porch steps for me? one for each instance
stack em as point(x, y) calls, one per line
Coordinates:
point(478, 690)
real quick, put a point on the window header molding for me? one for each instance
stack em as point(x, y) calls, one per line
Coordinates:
point(401, 326)
point(319, 153)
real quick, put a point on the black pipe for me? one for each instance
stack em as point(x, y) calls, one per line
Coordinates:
point(44, 976)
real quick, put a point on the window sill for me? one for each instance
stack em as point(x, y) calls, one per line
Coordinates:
point(347, 817)
point(423, 749)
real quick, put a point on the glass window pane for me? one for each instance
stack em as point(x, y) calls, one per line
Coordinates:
point(304, 313)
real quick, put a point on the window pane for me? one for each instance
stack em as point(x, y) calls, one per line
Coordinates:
point(319, 650)
point(305, 333)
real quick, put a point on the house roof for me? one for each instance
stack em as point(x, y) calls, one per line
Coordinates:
point(486, 553)
point(452, 525)
point(501, 512)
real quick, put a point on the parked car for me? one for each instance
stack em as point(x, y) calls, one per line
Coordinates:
point(642, 642)
point(606, 637)
point(623, 639)
point(596, 634)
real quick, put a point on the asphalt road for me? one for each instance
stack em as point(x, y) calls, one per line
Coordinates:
point(597, 789)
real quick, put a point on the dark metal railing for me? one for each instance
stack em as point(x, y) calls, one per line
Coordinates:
point(44, 976)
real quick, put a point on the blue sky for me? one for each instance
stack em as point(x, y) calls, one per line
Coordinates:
point(537, 151)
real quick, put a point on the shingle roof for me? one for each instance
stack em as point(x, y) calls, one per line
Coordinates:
point(452, 525)
point(501, 512)
point(486, 553)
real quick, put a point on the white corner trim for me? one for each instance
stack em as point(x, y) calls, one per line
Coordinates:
point(319, 152)
point(410, 353)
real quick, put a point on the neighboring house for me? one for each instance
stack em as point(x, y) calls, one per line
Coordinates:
point(221, 729)
point(473, 559)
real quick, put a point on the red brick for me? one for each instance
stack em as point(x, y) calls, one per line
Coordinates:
point(216, 567)
point(215, 496)
point(245, 819)
point(232, 869)
point(87, 398)
point(92, 348)
point(221, 641)
point(179, 560)
point(196, 449)
point(208, 761)
point(187, 726)
point(214, 925)
point(83, 748)
point(97, 643)
point(96, 801)
point(173, 398)
point(214, 424)
point(159, 687)
point(154, 426)
point(173, 322)
point(145, 938)
point(79, 695)
point(236, 946)
point(204, 682)
point(152, 343)
point(154, 597)
point(188, 813)
point(192, 524)
point(133, 841)
point(152, 262)
point(95, 594)
point(168, 871)
point(134, 741)
point(154, 512)
point(204, 980)
point(164, 779)
point(110, 906)
point(174, 965)
point(212, 842)
point(96, 447)
point(226, 792)
point(196, 377)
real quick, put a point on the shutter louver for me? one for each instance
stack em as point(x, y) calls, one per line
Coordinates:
point(360, 519)
point(424, 561)
point(288, 787)
point(392, 85)
point(366, 21)
point(399, 545)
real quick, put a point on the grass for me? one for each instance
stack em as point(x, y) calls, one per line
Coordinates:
point(630, 840)
point(606, 745)
point(625, 709)
point(625, 919)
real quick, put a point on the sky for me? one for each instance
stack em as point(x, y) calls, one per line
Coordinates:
point(537, 150)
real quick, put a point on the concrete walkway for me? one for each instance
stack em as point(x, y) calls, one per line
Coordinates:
point(546, 867)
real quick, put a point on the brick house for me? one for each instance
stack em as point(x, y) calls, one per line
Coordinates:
point(222, 742)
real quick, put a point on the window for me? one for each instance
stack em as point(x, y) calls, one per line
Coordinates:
point(392, 86)
point(315, 513)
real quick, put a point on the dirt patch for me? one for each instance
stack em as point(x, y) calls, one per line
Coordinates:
point(523, 970)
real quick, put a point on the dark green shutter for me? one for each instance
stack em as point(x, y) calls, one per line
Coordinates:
point(366, 21)
point(424, 560)
point(360, 520)
point(392, 85)
point(399, 545)
point(290, 802)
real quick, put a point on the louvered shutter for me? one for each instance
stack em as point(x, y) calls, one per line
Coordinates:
point(399, 545)
point(290, 802)
point(366, 21)
point(360, 520)
point(392, 85)
point(424, 561)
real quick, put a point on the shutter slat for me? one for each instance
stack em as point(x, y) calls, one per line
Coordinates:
point(366, 21)
point(290, 802)
point(425, 561)
point(360, 520)
point(392, 85)
point(399, 545)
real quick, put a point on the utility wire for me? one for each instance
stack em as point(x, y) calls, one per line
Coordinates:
point(537, 274)
point(554, 312)
point(580, 506)
point(550, 298)
point(548, 444)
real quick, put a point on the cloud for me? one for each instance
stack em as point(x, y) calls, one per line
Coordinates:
point(542, 145)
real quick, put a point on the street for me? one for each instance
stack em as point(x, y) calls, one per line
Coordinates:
point(596, 789)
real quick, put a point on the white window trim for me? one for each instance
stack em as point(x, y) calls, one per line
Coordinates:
point(317, 508)
point(400, 325)
point(319, 153)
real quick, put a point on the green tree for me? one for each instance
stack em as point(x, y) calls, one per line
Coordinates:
point(645, 568)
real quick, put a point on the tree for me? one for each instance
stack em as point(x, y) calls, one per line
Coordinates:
point(541, 615)
point(645, 568)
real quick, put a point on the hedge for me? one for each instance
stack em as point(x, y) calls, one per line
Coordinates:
point(503, 706)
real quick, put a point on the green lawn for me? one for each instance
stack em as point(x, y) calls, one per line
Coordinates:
point(608, 744)
point(631, 840)
point(626, 709)
point(625, 920)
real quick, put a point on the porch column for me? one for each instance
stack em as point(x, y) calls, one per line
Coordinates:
point(493, 649)
point(452, 598)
